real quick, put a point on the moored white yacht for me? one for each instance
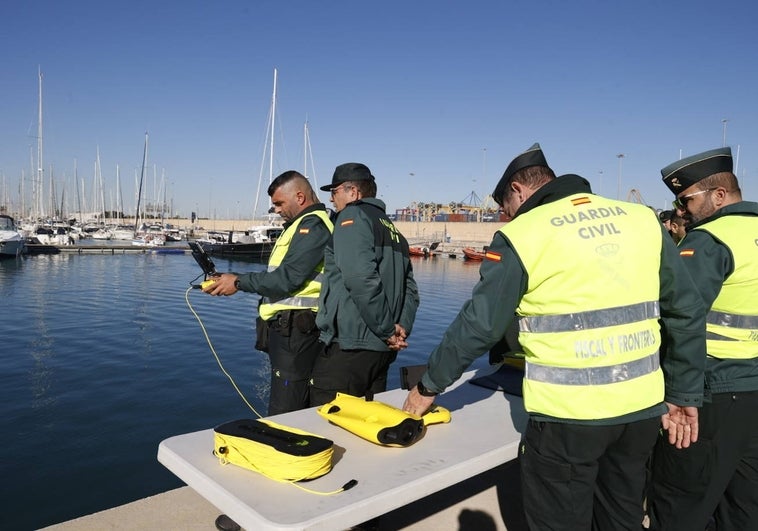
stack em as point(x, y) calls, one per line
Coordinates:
point(149, 235)
point(55, 233)
point(122, 232)
point(11, 239)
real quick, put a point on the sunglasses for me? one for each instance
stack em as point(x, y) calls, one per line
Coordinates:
point(681, 202)
point(334, 190)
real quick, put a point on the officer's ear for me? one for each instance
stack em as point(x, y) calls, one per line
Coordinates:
point(519, 191)
point(720, 196)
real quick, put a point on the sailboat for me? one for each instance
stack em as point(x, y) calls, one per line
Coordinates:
point(257, 242)
point(121, 231)
point(36, 212)
point(102, 232)
point(145, 235)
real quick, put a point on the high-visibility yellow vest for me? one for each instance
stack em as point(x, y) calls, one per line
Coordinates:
point(307, 296)
point(588, 322)
point(732, 322)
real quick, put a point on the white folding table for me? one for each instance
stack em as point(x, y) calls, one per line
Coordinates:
point(484, 432)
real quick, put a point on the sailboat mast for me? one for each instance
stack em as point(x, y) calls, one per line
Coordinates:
point(39, 210)
point(163, 185)
point(309, 156)
point(119, 196)
point(78, 194)
point(22, 193)
point(139, 191)
point(101, 185)
point(273, 122)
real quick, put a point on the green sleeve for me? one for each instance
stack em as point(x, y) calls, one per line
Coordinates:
point(484, 318)
point(355, 257)
point(305, 252)
point(709, 264)
point(683, 350)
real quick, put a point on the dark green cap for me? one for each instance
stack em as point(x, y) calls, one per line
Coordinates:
point(665, 215)
point(350, 171)
point(682, 174)
point(531, 157)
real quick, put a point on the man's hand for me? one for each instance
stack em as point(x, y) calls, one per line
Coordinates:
point(397, 340)
point(416, 404)
point(682, 425)
point(224, 285)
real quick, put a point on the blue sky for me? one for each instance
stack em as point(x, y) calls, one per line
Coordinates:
point(436, 97)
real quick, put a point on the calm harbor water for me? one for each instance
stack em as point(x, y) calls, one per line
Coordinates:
point(102, 359)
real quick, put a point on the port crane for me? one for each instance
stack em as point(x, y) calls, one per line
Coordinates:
point(634, 196)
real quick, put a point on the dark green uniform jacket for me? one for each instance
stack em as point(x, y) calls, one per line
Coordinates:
point(305, 253)
point(711, 263)
point(484, 319)
point(369, 280)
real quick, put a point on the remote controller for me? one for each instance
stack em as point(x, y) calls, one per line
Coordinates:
point(206, 283)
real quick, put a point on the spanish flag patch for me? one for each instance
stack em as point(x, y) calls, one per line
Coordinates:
point(580, 201)
point(492, 255)
point(346, 222)
point(687, 252)
point(304, 230)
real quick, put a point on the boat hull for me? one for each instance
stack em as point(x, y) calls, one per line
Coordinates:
point(473, 254)
point(11, 247)
point(11, 240)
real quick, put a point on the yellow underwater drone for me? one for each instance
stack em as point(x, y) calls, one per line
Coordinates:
point(378, 422)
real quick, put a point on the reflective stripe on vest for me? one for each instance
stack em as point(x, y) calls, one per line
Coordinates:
point(732, 322)
point(591, 319)
point(297, 301)
point(593, 375)
point(316, 276)
point(307, 296)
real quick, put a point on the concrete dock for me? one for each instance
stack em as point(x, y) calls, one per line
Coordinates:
point(488, 502)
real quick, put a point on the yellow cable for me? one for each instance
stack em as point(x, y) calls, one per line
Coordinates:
point(263, 459)
point(208, 340)
point(279, 466)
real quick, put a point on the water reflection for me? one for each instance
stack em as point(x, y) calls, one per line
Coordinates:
point(103, 358)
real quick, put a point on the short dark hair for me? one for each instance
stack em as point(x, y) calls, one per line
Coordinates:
point(532, 176)
point(366, 188)
point(283, 179)
point(724, 179)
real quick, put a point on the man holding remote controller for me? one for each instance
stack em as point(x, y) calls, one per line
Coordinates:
point(290, 289)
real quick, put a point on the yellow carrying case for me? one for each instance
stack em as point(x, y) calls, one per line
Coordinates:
point(278, 452)
point(378, 422)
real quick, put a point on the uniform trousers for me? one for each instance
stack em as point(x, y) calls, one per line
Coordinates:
point(715, 477)
point(293, 347)
point(581, 477)
point(352, 372)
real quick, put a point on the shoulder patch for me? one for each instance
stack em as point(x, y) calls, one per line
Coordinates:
point(492, 255)
point(581, 201)
point(304, 230)
point(346, 222)
point(687, 253)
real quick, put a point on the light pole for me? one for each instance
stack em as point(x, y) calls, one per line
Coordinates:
point(412, 175)
point(723, 144)
point(600, 188)
point(618, 192)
